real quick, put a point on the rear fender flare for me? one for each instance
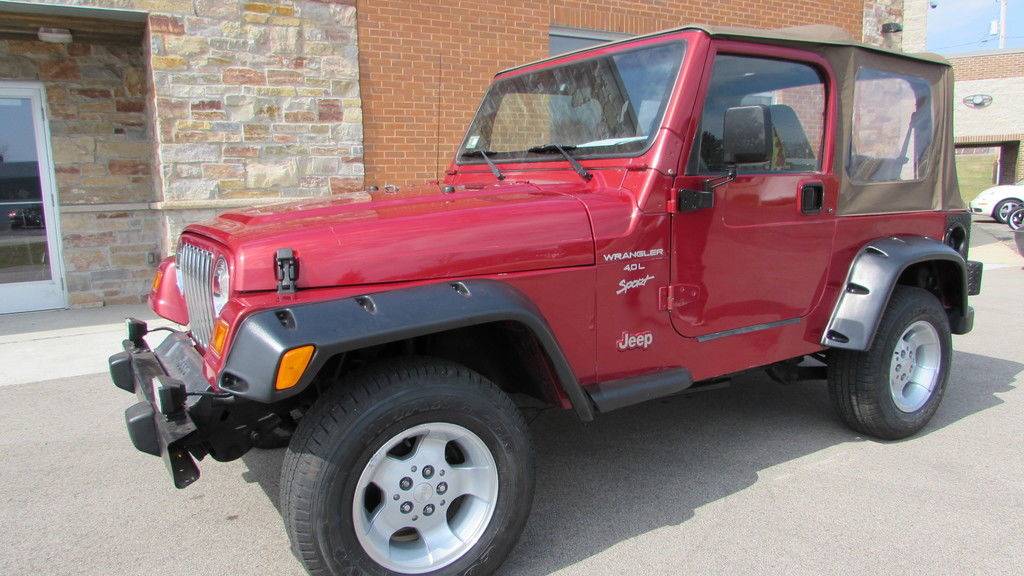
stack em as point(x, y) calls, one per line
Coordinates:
point(336, 326)
point(871, 280)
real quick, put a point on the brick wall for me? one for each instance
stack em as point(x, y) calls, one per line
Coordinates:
point(1000, 122)
point(993, 65)
point(996, 74)
point(426, 64)
point(101, 151)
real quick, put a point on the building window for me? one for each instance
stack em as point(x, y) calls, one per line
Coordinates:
point(892, 127)
point(562, 40)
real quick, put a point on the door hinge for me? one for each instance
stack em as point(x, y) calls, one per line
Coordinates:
point(676, 295)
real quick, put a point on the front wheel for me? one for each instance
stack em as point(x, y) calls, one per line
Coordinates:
point(1004, 208)
point(421, 466)
point(892, 389)
point(1016, 219)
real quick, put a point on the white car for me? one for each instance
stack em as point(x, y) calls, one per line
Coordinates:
point(999, 201)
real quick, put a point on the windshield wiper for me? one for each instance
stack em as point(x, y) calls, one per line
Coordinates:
point(483, 154)
point(576, 166)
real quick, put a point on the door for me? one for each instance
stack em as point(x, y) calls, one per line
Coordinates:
point(31, 273)
point(758, 257)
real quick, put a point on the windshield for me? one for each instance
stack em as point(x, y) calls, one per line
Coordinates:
point(607, 105)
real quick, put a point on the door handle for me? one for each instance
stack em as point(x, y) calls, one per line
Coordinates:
point(812, 198)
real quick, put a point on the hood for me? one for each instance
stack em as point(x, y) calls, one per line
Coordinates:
point(1001, 189)
point(417, 233)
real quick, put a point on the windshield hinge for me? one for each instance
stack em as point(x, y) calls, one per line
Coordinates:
point(286, 269)
point(692, 200)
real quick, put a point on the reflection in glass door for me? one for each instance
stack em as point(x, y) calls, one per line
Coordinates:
point(30, 263)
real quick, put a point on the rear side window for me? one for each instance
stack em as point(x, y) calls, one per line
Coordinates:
point(795, 96)
point(893, 127)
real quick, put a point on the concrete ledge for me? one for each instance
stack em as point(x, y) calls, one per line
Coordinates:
point(225, 203)
point(123, 207)
point(222, 204)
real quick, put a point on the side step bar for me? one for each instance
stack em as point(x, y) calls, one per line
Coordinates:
point(615, 394)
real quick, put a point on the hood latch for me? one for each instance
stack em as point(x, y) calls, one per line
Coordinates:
point(286, 269)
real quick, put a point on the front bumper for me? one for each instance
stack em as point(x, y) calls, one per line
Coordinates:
point(178, 416)
point(160, 423)
point(981, 207)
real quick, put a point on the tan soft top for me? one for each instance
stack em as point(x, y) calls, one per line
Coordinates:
point(935, 190)
point(819, 34)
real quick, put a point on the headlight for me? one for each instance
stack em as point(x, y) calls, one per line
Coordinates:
point(221, 285)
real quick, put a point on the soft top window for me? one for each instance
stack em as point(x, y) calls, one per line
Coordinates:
point(893, 127)
point(794, 93)
point(606, 105)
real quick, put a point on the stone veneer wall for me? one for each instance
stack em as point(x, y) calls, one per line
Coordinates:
point(254, 101)
point(878, 12)
point(915, 25)
point(101, 150)
point(225, 103)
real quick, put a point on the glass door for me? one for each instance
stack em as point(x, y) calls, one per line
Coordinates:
point(31, 271)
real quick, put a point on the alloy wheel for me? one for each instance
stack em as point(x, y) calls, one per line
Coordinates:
point(1006, 209)
point(425, 498)
point(915, 367)
point(1016, 219)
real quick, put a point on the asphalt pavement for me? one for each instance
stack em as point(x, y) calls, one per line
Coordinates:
point(754, 478)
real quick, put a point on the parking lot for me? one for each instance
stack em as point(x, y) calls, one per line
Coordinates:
point(754, 478)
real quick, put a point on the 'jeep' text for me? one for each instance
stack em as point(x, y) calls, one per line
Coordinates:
point(631, 341)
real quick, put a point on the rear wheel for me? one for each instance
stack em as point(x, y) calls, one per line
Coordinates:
point(421, 466)
point(1003, 209)
point(1016, 219)
point(894, 388)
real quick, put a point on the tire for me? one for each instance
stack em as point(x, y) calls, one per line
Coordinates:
point(873, 391)
point(339, 452)
point(1016, 219)
point(1003, 209)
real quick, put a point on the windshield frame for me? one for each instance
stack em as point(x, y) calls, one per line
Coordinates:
point(573, 59)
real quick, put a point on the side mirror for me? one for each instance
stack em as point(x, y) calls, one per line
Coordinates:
point(747, 135)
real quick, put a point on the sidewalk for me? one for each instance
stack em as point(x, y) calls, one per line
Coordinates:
point(993, 244)
point(36, 346)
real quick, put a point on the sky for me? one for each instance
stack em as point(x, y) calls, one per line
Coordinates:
point(961, 26)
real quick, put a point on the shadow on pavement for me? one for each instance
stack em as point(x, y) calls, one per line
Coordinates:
point(49, 323)
point(642, 468)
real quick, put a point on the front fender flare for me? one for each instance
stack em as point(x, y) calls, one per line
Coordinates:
point(870, 282)
point(336, 326)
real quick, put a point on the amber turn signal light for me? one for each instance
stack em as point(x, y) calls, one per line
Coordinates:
point(293, 364)
point(156, 279)
point(220, 337)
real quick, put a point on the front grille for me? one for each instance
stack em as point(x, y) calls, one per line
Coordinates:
point(196, 267)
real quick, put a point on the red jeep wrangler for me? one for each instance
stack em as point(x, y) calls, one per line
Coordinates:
point(620, 224)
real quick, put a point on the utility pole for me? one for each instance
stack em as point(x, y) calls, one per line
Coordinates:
point(1002, 24)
